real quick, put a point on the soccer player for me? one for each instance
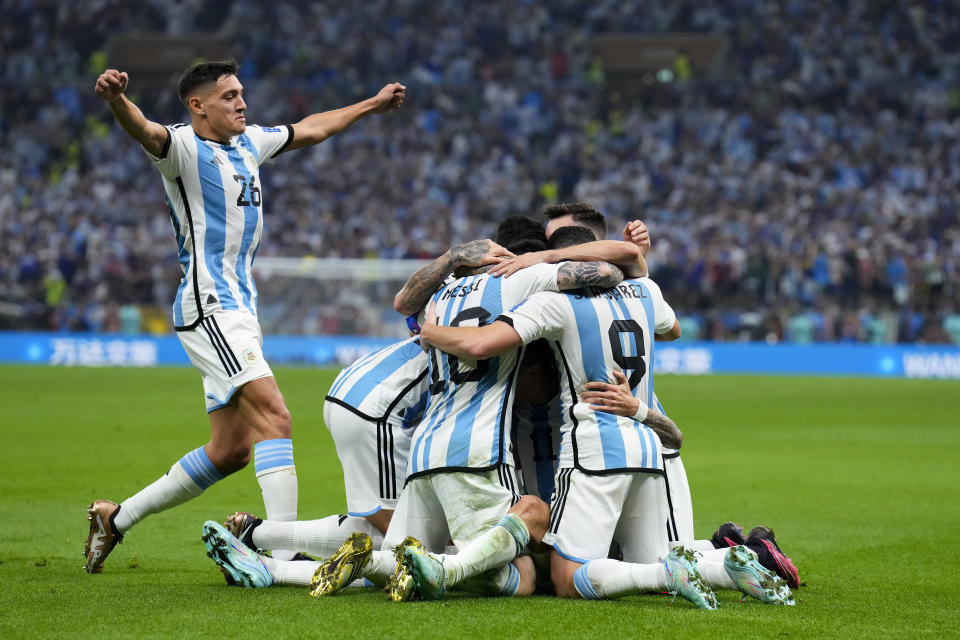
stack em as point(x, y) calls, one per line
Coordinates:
point(210, 171)
point(618, 398)
point(610, 478)
point(371, 410)
point(679, 503)
point(461, 484)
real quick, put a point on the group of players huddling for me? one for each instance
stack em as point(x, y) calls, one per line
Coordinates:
point(513, 444)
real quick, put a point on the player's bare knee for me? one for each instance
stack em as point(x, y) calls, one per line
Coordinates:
point(274, 419)
point(535, 514)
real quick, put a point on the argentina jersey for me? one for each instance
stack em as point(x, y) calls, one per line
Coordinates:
point(389, 384)
point(536, 437)
point(596, 331)
point(464, 426)
point(215, 199)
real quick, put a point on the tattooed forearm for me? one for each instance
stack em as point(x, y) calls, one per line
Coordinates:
point(421, 285)
point(665, 428)
point(468, 254)
point(573, 275)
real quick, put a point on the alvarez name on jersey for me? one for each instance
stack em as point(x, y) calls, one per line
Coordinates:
point(595, 331)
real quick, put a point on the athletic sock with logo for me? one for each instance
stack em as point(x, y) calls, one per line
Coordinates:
point(187, 478)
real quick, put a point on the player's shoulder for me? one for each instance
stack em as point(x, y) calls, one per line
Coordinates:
point(649, 283)
point(265, 129)
point(534, 273)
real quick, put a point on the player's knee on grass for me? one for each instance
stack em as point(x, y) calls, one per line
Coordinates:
point(535, 514)
point(561, 573)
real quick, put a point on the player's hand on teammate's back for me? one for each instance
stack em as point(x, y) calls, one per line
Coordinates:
point(429, 320)
point(611, 398)
point(636, 232)
point(390, 97)
point(509, 267)
point(111, 84)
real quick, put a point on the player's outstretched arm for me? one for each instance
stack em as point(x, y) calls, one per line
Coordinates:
point(151, 135)
point(625, 255)
point(619, 400)
point(574, 275)
point(320, 126)
point(476, 343)
point(416, 291)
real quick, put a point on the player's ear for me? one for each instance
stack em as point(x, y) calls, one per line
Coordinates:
point(195, 104)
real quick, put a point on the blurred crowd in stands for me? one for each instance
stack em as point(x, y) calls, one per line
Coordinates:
point(808, 191)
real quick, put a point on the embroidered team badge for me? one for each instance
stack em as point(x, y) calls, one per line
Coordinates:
point(249, 356)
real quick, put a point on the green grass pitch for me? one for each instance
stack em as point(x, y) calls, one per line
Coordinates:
point(859, 478)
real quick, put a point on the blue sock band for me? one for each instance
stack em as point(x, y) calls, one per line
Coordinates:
point(271, 454)
point(581, 580)
point(510, 587)
point(517, 528)
point(200, 469)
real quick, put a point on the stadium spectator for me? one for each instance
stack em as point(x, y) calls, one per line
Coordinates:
point(819, 169)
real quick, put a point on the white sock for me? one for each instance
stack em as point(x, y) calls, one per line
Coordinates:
point(186, 479)
point(606, 578)
point(696, 545)
point(494, 548)
point(502, 581)
point(716, 555)
point(298, 572)
point(714, 574)
point(320, 538)
point(381, 566)
point(277, 475)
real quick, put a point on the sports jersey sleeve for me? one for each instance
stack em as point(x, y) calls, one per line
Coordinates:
point(539, 277)
point(663, 312)
point(269, 141)
point(175, 154)
point(539, 316)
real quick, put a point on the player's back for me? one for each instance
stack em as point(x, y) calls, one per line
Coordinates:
point(470, 402)
point(386, 384)
point(596, 331)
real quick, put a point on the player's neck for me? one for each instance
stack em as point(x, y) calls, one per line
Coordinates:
point(202, 128)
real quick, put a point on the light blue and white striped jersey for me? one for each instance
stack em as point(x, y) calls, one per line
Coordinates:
point(215, 199)
point(388, 385)
point(596, 331)
point(466, 426)
point(536, 438)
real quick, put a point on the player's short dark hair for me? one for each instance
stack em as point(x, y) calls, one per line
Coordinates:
point(202, 73)
point(583, 214)
point(521, 234)
point(570, 236)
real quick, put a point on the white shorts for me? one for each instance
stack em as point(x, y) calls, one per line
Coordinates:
point(679, 503)
point(588, 511)
point(373, 455)
point(455, 506)
point(226, 349)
